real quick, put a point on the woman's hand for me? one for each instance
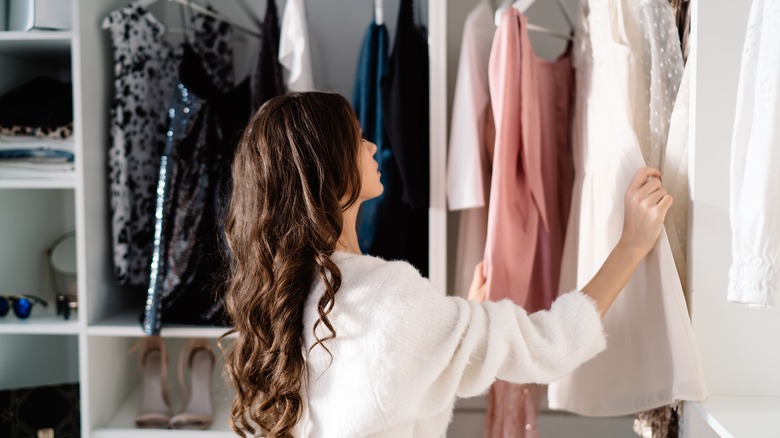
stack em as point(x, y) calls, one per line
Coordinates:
point(477, 288)
point(646, 204)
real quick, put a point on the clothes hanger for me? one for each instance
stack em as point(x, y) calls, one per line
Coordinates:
point(202, 10)
point(379, 12)
point(251, 13)
point(523, 5)
point(145, 3)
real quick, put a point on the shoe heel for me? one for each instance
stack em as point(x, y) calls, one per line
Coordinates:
point(198, 409)
point(155, 409)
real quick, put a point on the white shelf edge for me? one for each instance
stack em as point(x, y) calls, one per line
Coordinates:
point(126, 325)
point(39, 326)
point(710, 420)
point(38, 35)
point(739, 416)
point(151, 433)
point(168, 332)
point(68, 182)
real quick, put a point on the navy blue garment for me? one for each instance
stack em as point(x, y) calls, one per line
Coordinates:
point(42, 154)
point(402, 228)
point(367, 101)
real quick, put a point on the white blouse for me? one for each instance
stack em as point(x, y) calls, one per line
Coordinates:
point(755, 163)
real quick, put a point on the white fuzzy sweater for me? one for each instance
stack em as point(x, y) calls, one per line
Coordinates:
point(404, 352)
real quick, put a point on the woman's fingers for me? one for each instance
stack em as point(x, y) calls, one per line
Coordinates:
point(665, 203)
point(479, 276)
point(651, 186)
point(647, 203)
point(655, 197)
point(477, 291)
point(641, 178)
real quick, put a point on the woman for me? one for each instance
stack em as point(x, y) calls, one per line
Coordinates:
point(334, 343)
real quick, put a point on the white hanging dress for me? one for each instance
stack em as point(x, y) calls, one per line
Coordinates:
point(628, 68)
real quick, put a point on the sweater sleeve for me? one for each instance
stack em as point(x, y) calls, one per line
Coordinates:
point(437, 347)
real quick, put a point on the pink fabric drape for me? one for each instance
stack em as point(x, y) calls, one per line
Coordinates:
point(530, 195)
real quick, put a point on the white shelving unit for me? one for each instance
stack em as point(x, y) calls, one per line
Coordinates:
point(44, 348)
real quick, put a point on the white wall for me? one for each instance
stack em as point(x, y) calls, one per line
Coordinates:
point(740, 347)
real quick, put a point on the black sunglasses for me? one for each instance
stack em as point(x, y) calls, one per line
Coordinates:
point(22, 304)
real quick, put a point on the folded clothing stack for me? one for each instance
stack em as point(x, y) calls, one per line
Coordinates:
point(34, 153)
point(36, 128)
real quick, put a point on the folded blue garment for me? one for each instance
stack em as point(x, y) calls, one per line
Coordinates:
point(40, 153)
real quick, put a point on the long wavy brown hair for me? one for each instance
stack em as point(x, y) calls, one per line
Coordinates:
point(296, 169)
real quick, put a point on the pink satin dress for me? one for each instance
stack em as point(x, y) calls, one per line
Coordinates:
point(530, 195)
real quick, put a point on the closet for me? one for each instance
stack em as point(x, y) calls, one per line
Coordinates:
point(738, 346)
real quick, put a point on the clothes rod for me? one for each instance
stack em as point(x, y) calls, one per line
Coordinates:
point(205, 11)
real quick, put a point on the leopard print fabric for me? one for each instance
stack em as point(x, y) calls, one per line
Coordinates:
point(144, 77)
point(59, 133)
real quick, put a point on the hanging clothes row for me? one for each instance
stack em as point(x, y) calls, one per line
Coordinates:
point(169, 183)
point(145, 73)
point(545, 231)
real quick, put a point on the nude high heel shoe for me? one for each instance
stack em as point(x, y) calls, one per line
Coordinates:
point(155, 410)
point(198, 410)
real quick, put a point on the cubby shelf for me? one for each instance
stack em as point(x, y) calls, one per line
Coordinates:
point(122, 425)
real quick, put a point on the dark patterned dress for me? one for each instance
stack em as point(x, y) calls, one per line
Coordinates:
point(207, 115)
